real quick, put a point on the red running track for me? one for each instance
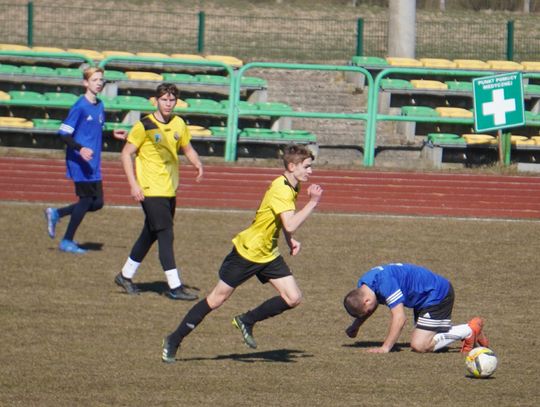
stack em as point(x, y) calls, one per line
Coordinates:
point(345, 191)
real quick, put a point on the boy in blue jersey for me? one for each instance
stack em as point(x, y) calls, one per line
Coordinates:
point(431, 296)
point(82, 133)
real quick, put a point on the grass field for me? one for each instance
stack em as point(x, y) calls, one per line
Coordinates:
point(70, 337)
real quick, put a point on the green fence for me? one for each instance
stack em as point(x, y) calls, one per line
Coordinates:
point(250, 38)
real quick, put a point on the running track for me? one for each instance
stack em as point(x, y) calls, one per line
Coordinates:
point(345, 191)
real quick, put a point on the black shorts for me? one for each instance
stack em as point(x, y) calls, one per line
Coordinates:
point(93, 189)
point(436, 317)
point(235, 269)
point(159, 212)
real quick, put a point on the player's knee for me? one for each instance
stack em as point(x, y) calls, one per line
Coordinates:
point(421, 346)
point(293, 299)
point(97, 204)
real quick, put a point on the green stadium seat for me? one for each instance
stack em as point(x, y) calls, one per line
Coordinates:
point(47, 124)
point(203, 104)
point(460, 86)
point(218, 131)
point(389, 83)
point(69, 72)
point(528, 89)
point(61, 98)
point(445, 138)
point(253, 81)
point(242, 104)
point(368, 61)
point(532, 118)
point(418, 111)
point(38, 71)
point(110, 126)
point(6, 69)
point(127, 102)
point(179, 77)
point(112, 75)
point(212, 79)
point(26, 97)
point(260, 133)
point(298, 135)
point(274, 106)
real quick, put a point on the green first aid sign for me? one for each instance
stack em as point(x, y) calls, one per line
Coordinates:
point(498, 102)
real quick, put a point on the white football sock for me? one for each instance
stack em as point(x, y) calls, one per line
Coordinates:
point(130, 268)
point(173, 279)
point(457, 332)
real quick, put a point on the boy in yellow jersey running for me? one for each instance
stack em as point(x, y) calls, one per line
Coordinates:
point(255, 253)
point(155, 142)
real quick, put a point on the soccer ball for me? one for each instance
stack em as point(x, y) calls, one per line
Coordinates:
point(481, 362)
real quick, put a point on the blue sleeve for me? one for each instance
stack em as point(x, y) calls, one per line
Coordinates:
point(390, 290)
point(68, 126)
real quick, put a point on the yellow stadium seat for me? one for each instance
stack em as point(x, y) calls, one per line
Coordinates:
point(504, 65)
point(14, 47)
point(48, 49)
point(143, 76)
point(400, 61)
point(536, 140)
point(453, 112)
point(531, 65)
point(437, 63)
point(199, 131)
point(90, 53)
point(4, 95)
point(109, 53)
point(471, 64)
point(179, 102)
point(187, 56)
point(232, 61)
point(152, 55)
point(479, 139)
point(521, 140)
point(428, 84)
point(15, 122)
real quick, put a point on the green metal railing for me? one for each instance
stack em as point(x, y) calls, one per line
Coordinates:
point(232, 140)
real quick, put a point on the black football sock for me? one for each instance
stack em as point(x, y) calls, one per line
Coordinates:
point(193, 318)
point(270, 308)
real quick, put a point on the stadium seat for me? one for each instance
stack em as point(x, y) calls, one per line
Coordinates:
point(152, 55)
point(19, 122)
point(368, 61)
point(143, 76)
point(418, 111)
point(48, 49)
point(471, 64)
point(298, 135)
point(229, 60)
point(253, 81)
point(479, 139)
point(453, 112)
point(242, 104)
point(126, 102)
point(260, 133)
point(14, 47)
point(110, 126)
point(532, 118)
point(212, 79)
point(89, 53)
point(428, 84)
point(389, 83)
point(110, 53)
point(199, 131)
point(69, 72)
point(47, 124)
point(4, 95)
point(459, 86)
point(504, 65)
point(528, 89)
point(38, 71)
point(6, 69)
point(406, 62)
point(203, 104)
point(445, 138)
point(218, 131)
point(60, 98)
point(437, 63)
point(179, 77)
point(179, 102)
point(113, 75)
point(531, 65)
point(187, 56)
point(26, 97)
point(274, 106)
point(518, 140)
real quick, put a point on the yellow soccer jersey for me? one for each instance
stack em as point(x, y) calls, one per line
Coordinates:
point(259, 242)
point(156, 164)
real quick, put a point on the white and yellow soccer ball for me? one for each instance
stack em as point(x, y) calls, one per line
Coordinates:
point(481, 362)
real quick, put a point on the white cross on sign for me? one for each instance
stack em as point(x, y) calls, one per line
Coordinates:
point(498, 107)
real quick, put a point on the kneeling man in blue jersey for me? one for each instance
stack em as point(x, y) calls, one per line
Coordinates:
point(431, 296)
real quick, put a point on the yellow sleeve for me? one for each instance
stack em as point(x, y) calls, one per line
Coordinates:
point(283, 200)
point(137, 135)
point(185, 136)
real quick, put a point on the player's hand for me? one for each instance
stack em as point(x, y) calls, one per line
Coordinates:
point(137, 193)
point(351, 331)
point(378, 350)
point(315, 192)
point(120, 134)
point(294, 247)
point(86, 153)
point(200, 174)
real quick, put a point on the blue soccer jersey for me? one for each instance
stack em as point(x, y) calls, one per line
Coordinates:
point(408, 284)
point(85, 124)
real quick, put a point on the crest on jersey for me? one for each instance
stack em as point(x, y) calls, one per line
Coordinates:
point(176, 136)
point(157, 138)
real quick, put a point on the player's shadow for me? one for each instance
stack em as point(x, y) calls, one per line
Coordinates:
point(159, 287)
point(271, 356)
point(92, 246)
point(398, 347)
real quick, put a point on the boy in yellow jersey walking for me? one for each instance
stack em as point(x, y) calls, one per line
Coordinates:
point(155, 142)
point(255, 253)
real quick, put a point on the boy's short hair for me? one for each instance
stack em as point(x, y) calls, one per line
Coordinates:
point(166, 88)
point(353, 303)
point(88, 72)
point(295, 154)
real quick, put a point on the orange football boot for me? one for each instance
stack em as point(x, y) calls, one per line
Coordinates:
point(476, 337)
